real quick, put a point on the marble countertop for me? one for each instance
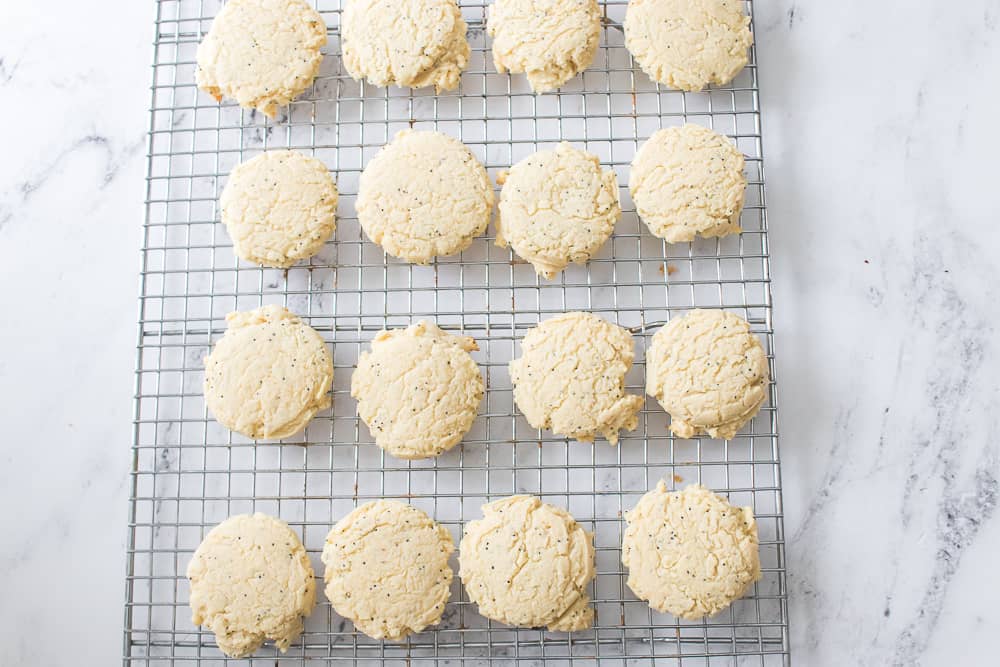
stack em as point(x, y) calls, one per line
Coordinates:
point(878, 127)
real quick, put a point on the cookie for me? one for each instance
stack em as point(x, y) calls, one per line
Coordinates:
point(424, 194)
point(418, 390)
point(268, 375)
point(690, 553)
point(387, 569)
point(688, 181)
point(279, 207)
point(548, 40)
point(527, 563)
point(261, 53)
point(570, 377)
point(688, 44)
point(408, 43)
point(556, 207)
point(251, 581)
point(709, 372)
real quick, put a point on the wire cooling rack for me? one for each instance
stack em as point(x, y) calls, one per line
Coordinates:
point(189, 473)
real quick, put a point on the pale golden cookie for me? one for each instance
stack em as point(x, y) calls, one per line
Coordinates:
point(690, 553)
point(261, 53)
point(708, 371)
point(570, 377)
point(279, 207)
point(424, 194)
point(268, 375)
point(409, 43)
point(528, 563)
point(418, 390)
point(688, 44)
point(687, 181)
point(251, 581)
point(556, 207)
point(387, 569)
point(549, 40)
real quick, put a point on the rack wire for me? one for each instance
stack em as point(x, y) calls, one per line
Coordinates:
point(189, 473)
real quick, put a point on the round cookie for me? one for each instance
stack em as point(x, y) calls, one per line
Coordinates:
point(688, 181)
point(549, 40)
point(527, 563)
point(408, 43)
point(690, 553)
point(418, 390)
point(688, 44)
point(268, 375)
point(424, 194)
point(250, 581)
point(261, 53)
point(279, 207)
point(387, 569)
point(709, 372)
point(556, 207)
point(570, 377)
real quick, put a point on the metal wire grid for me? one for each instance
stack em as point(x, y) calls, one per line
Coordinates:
point(189, 473)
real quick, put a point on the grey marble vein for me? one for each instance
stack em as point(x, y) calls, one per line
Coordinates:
point(959, 520)
point(885, 279)
point(7, 70)
point(113, 157)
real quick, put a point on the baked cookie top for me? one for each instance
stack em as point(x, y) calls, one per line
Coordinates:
point(409, 43)
point(690, 553)
point(570, 377)
point(424, 194)
point(279, 207)
point(708, 371)
point(688, 44)
point(528, 563)
point(268, 375)
point(387, 569)
point(250, 581)
point(556, 207)
point(261, 53)
point(548, 40)
point(418, 390)
point(687, 181)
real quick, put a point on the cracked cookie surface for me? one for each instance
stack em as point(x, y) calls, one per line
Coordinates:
point(570, 377)
point(268, 375)
point(424, 194)
point(387, 569)
point(408, 43)
point(688, 44)
point(418, 390)
point(687, 181)
point(548, 40)
point(279, 207)
point(708, 371)
point(251, 581)
point(528, 563)
point(556, 207)
point(690, 553)
point(261, 53)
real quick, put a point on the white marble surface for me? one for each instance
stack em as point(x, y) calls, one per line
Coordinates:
point(879, 125)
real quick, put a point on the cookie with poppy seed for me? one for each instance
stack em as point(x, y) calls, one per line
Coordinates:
point(387, 569)
point(529, 564)
point(268, 375)
point(424, 195)
point(251, 580)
